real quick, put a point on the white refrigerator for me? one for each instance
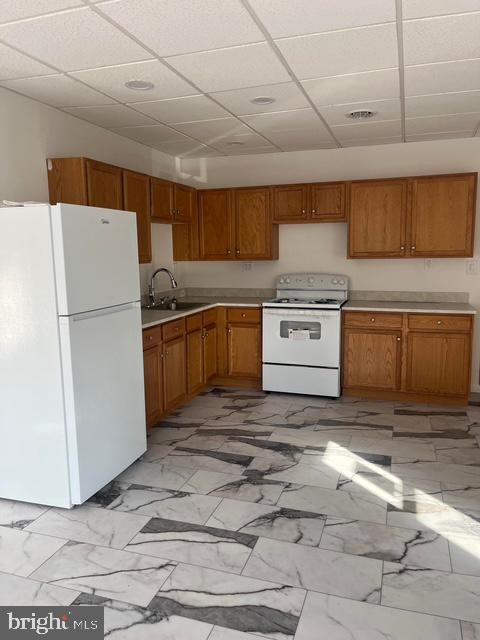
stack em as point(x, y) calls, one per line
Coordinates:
point(72, 409)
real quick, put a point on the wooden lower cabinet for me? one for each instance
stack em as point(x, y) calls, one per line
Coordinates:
point(426, 359)
point(194, 344)
point(153, 376)
point(174, 373)
point(244, 343)
point(210, 368)
point(372, 359)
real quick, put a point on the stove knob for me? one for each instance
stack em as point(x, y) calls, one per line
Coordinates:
point(287, 280)
point(281, 281)
point(341, 282)
point(334, 281)
point(310, 280)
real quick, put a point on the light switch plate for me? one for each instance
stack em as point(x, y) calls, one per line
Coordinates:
point(472, 267)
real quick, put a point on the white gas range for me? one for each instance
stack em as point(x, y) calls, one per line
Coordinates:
point(302, 332)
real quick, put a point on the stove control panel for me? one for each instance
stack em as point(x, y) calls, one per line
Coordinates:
point(314, 281)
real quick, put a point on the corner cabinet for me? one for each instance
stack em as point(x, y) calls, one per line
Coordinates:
point(427, 217)
point(407, 356)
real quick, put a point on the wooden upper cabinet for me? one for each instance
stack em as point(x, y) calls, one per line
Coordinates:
point(161, 197)
point(377, 220)
point(442, 215)
point(67, 180)
point(255, 235)
point(104, 185)
point(136, 197)
point(215, 221)
point(328, 201)
point(183, 197)
point(290, 203)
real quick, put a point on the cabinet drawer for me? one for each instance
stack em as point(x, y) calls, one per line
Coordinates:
point(439, 322)
point(174, 329)
point(152, 337)
point(244, 315)
point(373, 320)
point(209, 317)
point(194, 322)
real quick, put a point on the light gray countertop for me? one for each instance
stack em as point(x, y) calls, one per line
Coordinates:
point(151, 318)
point(411, 307)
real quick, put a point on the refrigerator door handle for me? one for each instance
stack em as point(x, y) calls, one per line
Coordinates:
point(104, 312)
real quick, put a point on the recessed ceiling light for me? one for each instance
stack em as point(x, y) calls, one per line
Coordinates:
point(361, 114)
point(262, 100)
point(139, 85)
point(235, 143)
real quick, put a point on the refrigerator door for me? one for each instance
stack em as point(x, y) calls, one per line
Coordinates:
point(104, 395)
point(96, 257)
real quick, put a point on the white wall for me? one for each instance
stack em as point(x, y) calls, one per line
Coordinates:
point(30, 132)
point(322, 247)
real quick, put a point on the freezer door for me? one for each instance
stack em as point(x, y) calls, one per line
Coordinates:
point(104, 395)
point(96, 257)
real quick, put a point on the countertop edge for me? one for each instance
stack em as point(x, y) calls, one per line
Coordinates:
point(414, 307)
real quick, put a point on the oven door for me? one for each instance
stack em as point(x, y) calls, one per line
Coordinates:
point(306, 337)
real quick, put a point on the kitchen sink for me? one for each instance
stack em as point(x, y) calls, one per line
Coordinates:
point(167, 306)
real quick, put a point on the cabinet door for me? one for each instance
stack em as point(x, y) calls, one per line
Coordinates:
point(136, 197)
point(438, 363)
point(215, 224)
point(183, 202)
point(194, 361)
point(443, 210)
point(372, 359)
point(174, 372)
point(153, 375)
point(244, 350)
point(210, 368)
point(104, 185)
point(328, 202)
point(290, 203)
point(253, 224)
point(377, 221)
point(161, 196)
point(67, 180)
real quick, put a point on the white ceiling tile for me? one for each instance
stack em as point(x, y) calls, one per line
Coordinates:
point(456, 122)
point(112, 80)
point(15, 65)
point(187, 109)
point(368, 130)
point(305, 138)
point(384, 110)
point(308, 146)
point(286, 95)
point(371, 85)
point(110, 116)
point(340, 52)
point(286, 18)
point(172, 27)
point(240, 151)
point(154, 134)
point(449, 135)
point(19, 9)
point(284, 120)
point(210, 131)
point(183, 148)
point(362, 142)
point(243, 141)
point(465, 102)
point(442, 39)
point(77, 39)
point(462, 75)
point(232, 68)
point(426, 8)
point(58, 91)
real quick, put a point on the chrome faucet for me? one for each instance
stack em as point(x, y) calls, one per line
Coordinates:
point(151, 289)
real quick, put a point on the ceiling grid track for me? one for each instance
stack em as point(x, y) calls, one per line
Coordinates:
point(401, 66)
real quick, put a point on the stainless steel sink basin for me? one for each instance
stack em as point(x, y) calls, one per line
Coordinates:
point(167, 306)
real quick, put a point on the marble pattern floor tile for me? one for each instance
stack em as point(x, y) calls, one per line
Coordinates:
point(308, 437)
point(89, 524)
point(156, 452)
point(166, 503)
point(294, 472)
point(465, 554)
point(221, 633)
point(22, 552)
point(25, 592)
point(395, 447)
point(462, 456)
point(245, 604)
point(436, 516)
point(195, 459)
point(110, 573)
point(462, 496)
point(19, 514)
point(279, 452)
point(429, 591)
point(163, 476)
point(438, 471)
point(107, 494)
point(394, 544)
point(343, 504)
point(290, 525)
point(232, 430)
point(470, 631)
point(341, 619)
point(171, 435)
point(316, 569)
point(248, 488)
point(194, 544)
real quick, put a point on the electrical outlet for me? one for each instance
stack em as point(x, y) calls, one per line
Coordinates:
point(427, 263)
point(472, 267)
point(247, 266)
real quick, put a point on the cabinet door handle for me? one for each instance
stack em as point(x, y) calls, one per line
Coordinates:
point(237, 251)
point(398, 339)
point(439, 322)
point(228, 252)
point(402, 248)
point(244, 315)
point(304, 211)
point(150, 337)
point(314, 211)
point(229, 331)
point(161, 356)
point(372, 319)
point(412, 248)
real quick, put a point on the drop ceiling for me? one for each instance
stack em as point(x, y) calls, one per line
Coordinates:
point(414, 63)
